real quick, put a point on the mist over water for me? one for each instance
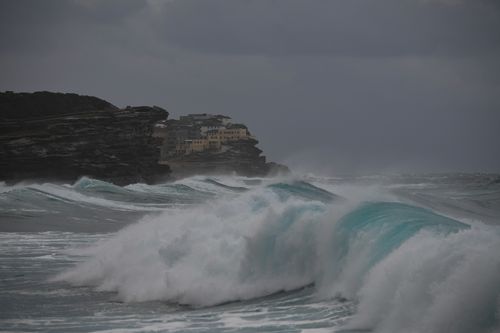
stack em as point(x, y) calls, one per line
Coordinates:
point(226, 254)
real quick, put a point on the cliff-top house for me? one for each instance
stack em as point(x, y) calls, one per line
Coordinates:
point(197, 133)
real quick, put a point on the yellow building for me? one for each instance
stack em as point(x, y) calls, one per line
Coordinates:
point(198, 145)
point(213, 140)
point(228, 134)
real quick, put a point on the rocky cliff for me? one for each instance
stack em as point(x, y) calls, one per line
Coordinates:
point(212, 144)
point(241, 157)
point(59, 136)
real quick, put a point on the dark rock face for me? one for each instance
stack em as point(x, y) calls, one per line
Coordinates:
point(242, 157)
point(59, 136)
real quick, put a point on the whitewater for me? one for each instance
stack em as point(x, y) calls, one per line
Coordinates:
point(401, 253)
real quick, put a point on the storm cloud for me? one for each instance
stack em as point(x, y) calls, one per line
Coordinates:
point(330, 86)
point(335, 28)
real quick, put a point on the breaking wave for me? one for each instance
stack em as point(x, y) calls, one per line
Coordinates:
point(407, 268)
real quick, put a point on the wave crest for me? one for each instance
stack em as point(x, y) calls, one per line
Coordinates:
point(407, 268)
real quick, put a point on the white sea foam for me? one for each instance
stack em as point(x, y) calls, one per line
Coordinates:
point(208, 254)
point(435, 283)
point(256, 243)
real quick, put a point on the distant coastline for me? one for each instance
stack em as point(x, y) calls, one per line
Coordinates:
point(64, 136)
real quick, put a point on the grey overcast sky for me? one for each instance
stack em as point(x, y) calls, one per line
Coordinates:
point(329, 86)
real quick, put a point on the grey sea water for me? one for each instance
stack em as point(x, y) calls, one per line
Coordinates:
point(408, 253)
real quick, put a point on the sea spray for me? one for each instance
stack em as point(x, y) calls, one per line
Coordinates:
point(407, 268)
point(435, 283)
point(222, 251)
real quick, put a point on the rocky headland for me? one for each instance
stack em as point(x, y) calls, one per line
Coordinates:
point(56, 136)
point(61, 136)
point(212, 144)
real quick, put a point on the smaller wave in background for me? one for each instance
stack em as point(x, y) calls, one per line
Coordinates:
point(92, 205)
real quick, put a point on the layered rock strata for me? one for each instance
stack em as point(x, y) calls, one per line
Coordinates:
point(241, 157)
point(57, 136)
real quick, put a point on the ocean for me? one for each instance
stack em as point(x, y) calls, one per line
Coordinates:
point(400, 253)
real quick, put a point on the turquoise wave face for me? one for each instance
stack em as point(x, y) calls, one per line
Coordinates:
point(296, 242)
point(303, 190)
point(388, 225)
